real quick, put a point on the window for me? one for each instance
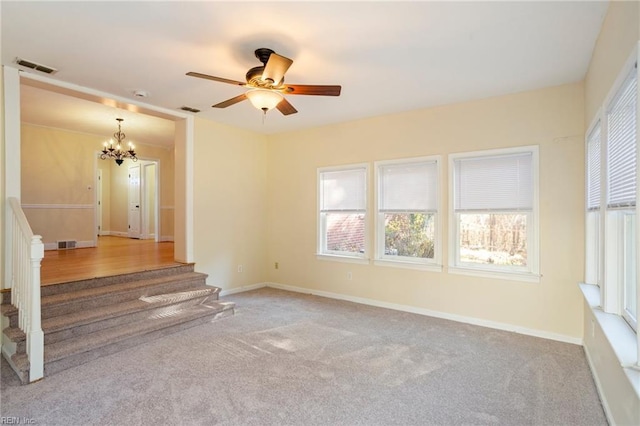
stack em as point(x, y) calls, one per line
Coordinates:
point(630, 306)
point(593, 246)
point(621, 171)
point(612, 172)
point(494, 223)
point(342, 211)
point(407, 211)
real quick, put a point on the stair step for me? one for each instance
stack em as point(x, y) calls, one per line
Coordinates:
point(50, 290)
point(5, 296)
point(81, 349)
point(63, 327)
point(71, 286)
point(18, 337)
point(82, 322)
point(66, 303)
point(20, 364)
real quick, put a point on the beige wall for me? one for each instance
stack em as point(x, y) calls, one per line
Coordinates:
point(619, 35)
point(230, 201)
point(58, 182)
point(58, 168)
point(551, 118)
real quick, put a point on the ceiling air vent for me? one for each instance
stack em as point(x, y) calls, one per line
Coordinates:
point(35, 66)
point(189, 109)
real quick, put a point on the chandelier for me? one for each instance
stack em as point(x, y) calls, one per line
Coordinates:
point(116, 152)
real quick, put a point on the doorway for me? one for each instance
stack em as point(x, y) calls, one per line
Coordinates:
point(143, 200)
point(128, 199)
point(180, 223)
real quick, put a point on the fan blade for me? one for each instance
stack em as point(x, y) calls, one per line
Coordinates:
point(303, 89)
point(285, 107)
point(230, 102)
point(276, 67)
point(220, 79)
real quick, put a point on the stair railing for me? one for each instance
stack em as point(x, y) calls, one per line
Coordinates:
point(24, 256)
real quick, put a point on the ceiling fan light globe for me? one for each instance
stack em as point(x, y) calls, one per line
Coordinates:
point(264, 99)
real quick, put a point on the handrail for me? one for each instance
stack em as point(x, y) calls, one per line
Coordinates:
point(23, 263)
point(21, 218)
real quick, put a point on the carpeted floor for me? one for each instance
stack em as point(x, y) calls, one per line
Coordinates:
point(292, 359)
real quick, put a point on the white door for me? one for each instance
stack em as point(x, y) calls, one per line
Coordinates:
point(134, 202)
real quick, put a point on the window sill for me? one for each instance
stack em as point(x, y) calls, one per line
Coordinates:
point(513, 276)
point(619, 334)
point(408, 265)
point(345, 259)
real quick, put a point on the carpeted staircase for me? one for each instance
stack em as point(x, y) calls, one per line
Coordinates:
point(86, 319)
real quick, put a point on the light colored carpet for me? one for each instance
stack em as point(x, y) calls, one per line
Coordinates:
point(292, 359)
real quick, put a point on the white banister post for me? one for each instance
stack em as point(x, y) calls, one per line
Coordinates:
point(35, 336)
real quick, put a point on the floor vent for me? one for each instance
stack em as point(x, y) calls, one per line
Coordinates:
point(66, 244)
point(35, 66)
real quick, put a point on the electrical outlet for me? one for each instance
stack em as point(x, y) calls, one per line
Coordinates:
point(276, 265)
point(240, 268)
point(349, 276)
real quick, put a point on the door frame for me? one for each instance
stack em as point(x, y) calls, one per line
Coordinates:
point(142, 161)
point(143, 195)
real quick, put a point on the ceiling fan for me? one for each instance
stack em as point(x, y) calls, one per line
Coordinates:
point(266, 85)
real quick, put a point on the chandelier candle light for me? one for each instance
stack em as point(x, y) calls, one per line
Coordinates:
point(116, 152)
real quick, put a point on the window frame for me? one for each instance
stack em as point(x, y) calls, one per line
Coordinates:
point(530, 273)
point(612, 217)
point(381, 259)
point(321, 225)
point(633, 322)
point(595, 218)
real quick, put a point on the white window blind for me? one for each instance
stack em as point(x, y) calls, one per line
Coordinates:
point(503, 182)
point(593, 168)
point(409, 187)
point(621, 145)
point(343, 190)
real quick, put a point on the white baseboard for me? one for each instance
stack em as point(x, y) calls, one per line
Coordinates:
point(242, 289)
point(118, 234)
point(412, 309)
point(437, 314)
point(79, 244)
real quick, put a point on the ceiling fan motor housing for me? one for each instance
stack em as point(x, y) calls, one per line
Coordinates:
point(263, 54)
point(254, 76)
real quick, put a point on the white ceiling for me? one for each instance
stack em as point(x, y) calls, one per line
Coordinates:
point(388, 56)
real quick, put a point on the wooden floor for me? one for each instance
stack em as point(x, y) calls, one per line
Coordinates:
point(114, 255)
